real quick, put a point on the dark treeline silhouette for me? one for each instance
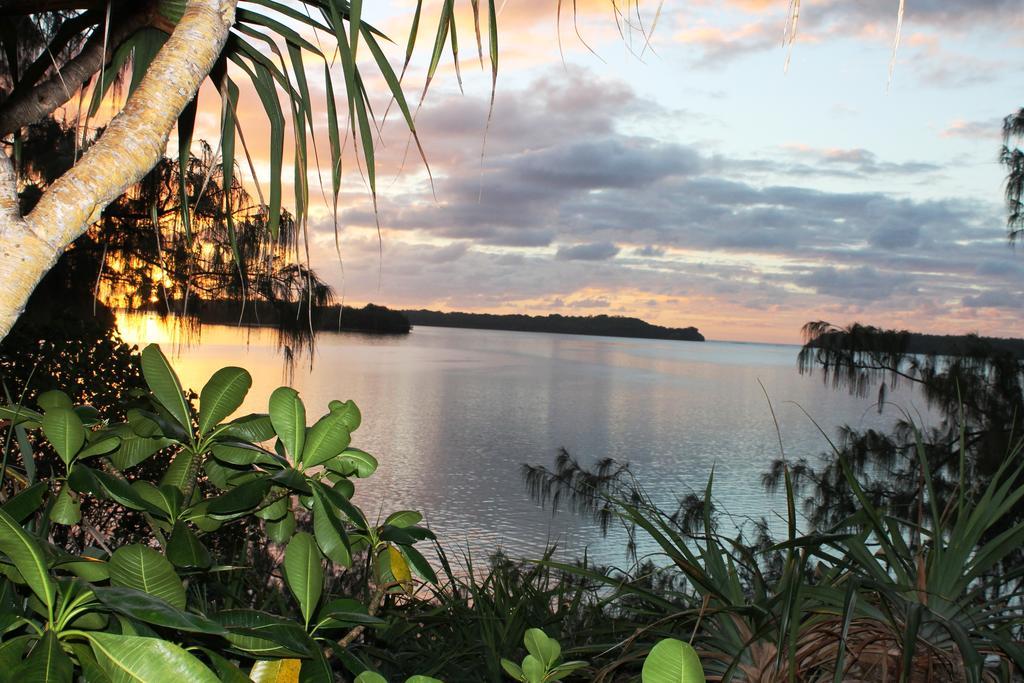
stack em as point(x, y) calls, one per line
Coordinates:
point(864, 338)
point(598, 325)
point(370, 318)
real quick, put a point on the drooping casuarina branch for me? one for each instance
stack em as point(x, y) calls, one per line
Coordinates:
point(132, 144)
point(30, 105)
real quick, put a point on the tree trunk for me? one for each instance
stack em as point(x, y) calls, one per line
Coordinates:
point(132, 144)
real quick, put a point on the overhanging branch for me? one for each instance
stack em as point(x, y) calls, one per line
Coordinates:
point(132, 144)
point(32, 104)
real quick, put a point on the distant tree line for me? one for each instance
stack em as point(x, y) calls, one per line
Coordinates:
point(599, 325)
point(370, 318)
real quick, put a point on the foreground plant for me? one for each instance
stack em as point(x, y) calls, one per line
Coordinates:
point(876, 597)
point(163, 609)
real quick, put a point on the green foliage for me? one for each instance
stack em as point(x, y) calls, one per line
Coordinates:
point(189, 601)
point(543, 663)
point(933, 597)
point(672, 661)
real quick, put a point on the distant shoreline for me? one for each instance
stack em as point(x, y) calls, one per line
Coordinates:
point(375, 319)
point(595, 326)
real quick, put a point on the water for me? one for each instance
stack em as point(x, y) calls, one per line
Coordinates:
point(453, 414)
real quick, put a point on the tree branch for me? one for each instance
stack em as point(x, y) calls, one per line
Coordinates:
point(21, 7)
point(132, 144)
point(10, 212)
point(37, 102)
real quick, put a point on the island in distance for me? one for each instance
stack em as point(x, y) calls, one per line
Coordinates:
point(373, 319)
point(598, 325)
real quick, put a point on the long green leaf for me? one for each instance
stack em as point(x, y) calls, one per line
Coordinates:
point(672, 661)
point(303, 572)
point(27, 556)
point(288, 415)
point(152, 610)
point(164, 384)
point(222, 395)
point(326, 439)
point(133, 659)
point(330, 530)
point(47, 663)
point(142, 568)
point(63, 429)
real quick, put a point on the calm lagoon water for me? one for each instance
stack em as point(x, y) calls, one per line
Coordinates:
point(453, 414)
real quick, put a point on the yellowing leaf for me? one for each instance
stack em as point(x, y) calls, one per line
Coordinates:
point(276, 671)
point(400, 568)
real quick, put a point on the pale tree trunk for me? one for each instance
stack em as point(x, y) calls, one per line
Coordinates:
point(132, 144)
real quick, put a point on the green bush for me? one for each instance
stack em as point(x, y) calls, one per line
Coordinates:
point(174, 605)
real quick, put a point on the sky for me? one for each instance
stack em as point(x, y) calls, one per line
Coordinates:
point(700, 173)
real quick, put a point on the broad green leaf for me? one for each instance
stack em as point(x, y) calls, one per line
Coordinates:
point(152, 610)
point(533, 669)
point(12, 652)
point(349, 413)
point(422, 679)
point(133, 659)
point(316, 670)
point(513, 669)
point(20, 414)
point(418, 563)
point(326, 439)
point(221, 396)
point(50, 400)
point(276, 510)
point(166, 498)
point(404, 518)
point(101, 446)
point(276, 671)
point(254, 427)
point(330, 531)
point(240, 453)
point(288, 416)
point(240, 499)
point(66, 508)
point(185, 550)
point(142, 568)
point(91, 671)
point(225, 669)
point(135, 449)
point(545, 649)
point(28, 559)
point(292, 479)
point(64, 430)
point(281, 530)
point(164, 384)
point(47, 663)
point(26, 502)
point(672, 661)
point(180, 473)
point(354, 461)
point(370, 677)
point(104, 485)
point(303, 572)
point(340, 502)
point(264, 635)
point(90, 569)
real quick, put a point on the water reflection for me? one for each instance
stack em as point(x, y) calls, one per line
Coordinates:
point(452, 414)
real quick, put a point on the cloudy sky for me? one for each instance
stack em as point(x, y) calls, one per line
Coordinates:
point(693, 179)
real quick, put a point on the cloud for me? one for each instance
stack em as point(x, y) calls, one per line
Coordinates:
point(861, 284)
point(995, 298)
point(598, 251)
point(565, 213)
point(988, 129)
point(719, 46)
